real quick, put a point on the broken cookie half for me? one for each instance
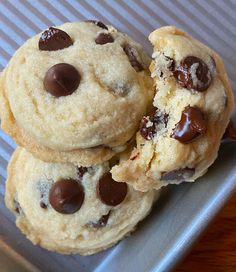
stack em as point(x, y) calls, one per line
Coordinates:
point(180, 139)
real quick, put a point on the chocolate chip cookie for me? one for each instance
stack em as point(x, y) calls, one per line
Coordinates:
point(180, 139)
point(75, 92)
point(72, 209)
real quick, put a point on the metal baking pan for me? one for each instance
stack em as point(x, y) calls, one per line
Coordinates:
point(183, 211)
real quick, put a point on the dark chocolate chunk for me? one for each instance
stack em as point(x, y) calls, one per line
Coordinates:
point(111, 192)
point(54, 39)
point(102, 222)
point(81, 171)
point(149, 126)
point(193, 73)
point(191, 125)
point(131, 54)
point(66, 196)
point(104, 38)
point(178, 174)
point(230, 132)
point(98, 23)
point(61, 79)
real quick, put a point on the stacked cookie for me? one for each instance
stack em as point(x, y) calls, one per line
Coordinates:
point(95, 137)
point(72, 98)
point(69, 208)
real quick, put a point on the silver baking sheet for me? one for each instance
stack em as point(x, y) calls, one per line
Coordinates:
point(183, 211)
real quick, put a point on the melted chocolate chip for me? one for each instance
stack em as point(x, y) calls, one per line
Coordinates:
point(104, 38)
point(111, 192)
point(191, 125)
point(54, 39)
point(61, 79)
point(66, 196)
point(193, 73)
point(102, 222)
point(151, 125)
point(230, 132)
point(81, 171)
point(98, 23)
point(131, 54)
point(178, 174)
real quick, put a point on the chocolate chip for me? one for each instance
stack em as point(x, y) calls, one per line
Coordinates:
point(61, 79)
point(178, 174)
point(171, 67)
point(98, 23)
point(104, 38)
point(44, 188)
point(151, 125)
point(17, 206)
point(131, 54)
point(17, 210)
point(193, 73)
point(191, 125)
point(66, 196)
point(111, 192)
point(43, 205)
point(134, 157)
point(81, 171)
point(54, 39)
point(102, 222)
point(230, 132)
